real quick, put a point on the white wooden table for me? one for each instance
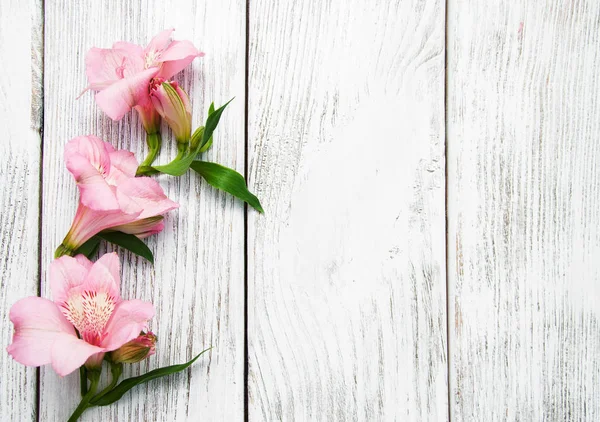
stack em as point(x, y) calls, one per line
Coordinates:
point(430, 173)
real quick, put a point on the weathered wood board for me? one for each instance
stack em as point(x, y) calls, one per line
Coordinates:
point(524, 210)
point(197, 283)
point(365, 122)
point(20, 120)
point(346, 269)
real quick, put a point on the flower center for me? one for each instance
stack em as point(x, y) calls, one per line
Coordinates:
point(152, 58)
point(89, 311)
point(154, 84)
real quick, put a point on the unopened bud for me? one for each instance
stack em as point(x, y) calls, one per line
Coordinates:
point(173, 104)
point(136, 350)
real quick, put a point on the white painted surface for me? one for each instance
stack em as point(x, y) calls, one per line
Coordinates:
point(524, 210)
point(20, 120)
point(347, 268)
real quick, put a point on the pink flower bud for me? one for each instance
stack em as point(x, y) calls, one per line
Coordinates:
point(136, 350)
point(173, 104)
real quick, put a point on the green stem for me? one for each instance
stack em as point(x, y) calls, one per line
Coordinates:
point(154, 142)
point(85, 401)
point(144, 170)
point(63, 250)
point(83, 380)
point(116, 370)
point(182, 147)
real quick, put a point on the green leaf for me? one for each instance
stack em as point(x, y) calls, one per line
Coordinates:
point(129, 242)
point(212, 121)
point(207, 146)
point(89, 248)
point(197, 136)
point(177, 168)
point(126, 385)
point(228, 180)
point(208, 143)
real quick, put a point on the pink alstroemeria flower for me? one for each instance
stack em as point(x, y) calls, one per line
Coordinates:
point(87, 299)
point(111, 197)
point(122, 74)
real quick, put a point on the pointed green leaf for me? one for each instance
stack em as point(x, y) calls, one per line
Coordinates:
point(228, 180)
point(197, 136)
point(207, 145)
point(126, 385)
point(129, 242)
point(180, 167)
point(212, 121)
point(89, 248)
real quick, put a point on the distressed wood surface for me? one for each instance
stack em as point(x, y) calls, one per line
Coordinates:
point(346, 269)
point(20, 119)
point(524, 210)
point(197, 283)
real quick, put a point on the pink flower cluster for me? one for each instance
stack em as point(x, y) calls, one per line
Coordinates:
point(87, 320)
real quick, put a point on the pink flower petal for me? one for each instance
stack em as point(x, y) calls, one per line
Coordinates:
point(143, 228)
point(38, 324)
point(89, 222)
point(69, 353)
point(84, 261)
point(129, 318)
point(92, 148)
point(65, 273)
point(104, 66)
point(131, 49)
point(160, 41)
point(135, 57)
point(177, 57)
point(87, 160)
point(148, 195)
point(95, 192)
point(123, 165)
point(105, 276)
point(117, 99)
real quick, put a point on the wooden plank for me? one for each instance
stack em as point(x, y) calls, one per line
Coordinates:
point(20, 119)
point(523, 209)
point(346, 299)
point(197, 284)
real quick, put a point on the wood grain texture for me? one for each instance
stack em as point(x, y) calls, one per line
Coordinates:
point(197, 283)
point(524, 209)
point(346, 270)
point(20, 119)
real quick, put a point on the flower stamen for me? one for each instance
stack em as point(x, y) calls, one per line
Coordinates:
point(89, 312)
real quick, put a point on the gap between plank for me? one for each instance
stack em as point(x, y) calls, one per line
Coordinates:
point(446, 148)
point(40, 117)
point(246, 74)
